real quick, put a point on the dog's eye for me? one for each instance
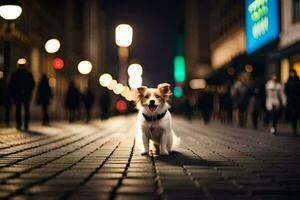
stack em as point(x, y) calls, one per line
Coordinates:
point(157, 96)
point(147, 96)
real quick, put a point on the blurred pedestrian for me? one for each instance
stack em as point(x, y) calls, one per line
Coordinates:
point(5, 100)
point(240, 96)
point(88, 101)
point(188, 106)
point(225, 104)
point(21, 86)
point(205, 102)
point(292, 90)
point(43, 97)
point(275, 98)
point(72, 101)
point(255, 105)
point(104, 101)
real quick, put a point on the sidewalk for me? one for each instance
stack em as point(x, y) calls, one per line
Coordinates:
point(101, 161)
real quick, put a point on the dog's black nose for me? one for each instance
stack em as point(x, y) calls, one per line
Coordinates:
point(152, 102)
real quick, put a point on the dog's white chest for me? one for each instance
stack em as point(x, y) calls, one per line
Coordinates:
point(153, 132)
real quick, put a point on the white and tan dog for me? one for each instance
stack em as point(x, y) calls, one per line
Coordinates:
point(154, 119)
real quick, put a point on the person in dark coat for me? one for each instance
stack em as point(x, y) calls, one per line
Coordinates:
point(5, 100)
point(292, 91)
point(205, 102)
point(43, 98)
point(104, 105)
point(88, 101)
point(255, 105)
point(72, 101)
point(21, 86)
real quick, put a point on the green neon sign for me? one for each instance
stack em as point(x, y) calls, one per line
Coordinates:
point(179, 69)
point(178, 92)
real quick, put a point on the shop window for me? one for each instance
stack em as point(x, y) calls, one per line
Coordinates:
point(296, 11)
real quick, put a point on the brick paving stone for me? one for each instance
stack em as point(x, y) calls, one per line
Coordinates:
point(101, 161)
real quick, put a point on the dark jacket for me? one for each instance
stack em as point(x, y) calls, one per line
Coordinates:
point(44, 93)
point(72, 98)
point(292, 91)
point(88, 99)
point(21, 85)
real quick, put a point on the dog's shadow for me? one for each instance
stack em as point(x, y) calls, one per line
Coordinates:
point(180, 159)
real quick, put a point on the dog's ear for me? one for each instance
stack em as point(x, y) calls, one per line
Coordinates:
point(165, 89)
point(139, 93)
point(141, 90)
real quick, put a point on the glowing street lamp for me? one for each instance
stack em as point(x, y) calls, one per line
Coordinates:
point(52, 45)
point(123, 38)
point(124, 34)
point(84, 67)
point(10, 10)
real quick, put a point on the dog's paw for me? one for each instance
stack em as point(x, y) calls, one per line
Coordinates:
point(164, 153)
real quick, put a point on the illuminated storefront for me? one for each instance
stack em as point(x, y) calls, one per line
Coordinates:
point(288, 53)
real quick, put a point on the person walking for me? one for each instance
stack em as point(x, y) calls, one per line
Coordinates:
point(72, 101)
point(255, 106)
point(88, 101)
point(292, 91)
point(43, 98)
point(240, 95)
point(275, 98)
point(21, 86)
point(105, 102)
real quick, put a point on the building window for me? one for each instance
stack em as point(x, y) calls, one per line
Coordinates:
point(296, 11)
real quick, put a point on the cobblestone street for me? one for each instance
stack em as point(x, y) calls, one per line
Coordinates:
point(101, 161)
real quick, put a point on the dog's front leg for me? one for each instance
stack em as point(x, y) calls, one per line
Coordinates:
point(145, 150)
point(163, 145)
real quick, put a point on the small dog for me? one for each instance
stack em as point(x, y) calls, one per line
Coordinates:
point(154, 119)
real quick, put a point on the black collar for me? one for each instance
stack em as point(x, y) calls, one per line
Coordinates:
point(154, 118)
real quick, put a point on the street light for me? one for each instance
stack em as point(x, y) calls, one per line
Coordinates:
point(9, 10)
point(84, 67)
point(123, 34)
point(52, 45)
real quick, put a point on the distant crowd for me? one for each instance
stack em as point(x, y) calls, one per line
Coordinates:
point(17, 90)
point(269, 101)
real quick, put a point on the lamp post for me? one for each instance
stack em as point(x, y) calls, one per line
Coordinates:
point(123, 38)
point(9, 10)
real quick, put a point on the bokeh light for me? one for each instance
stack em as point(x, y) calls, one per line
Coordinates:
point(135, 70)
point(10, 12)
point(85, 67)
point(52, 82)
point(118, 88)
point(21, 61)
point(112, 84)
point(52, 45)
point(58, 63)
point(105, 79)
point(197, 84)
point(135, 82)
point(124, 34)
point(121, 106)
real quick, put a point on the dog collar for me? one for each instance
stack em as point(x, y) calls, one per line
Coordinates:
point(154, 118)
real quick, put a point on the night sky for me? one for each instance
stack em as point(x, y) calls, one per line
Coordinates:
point(155, 25)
